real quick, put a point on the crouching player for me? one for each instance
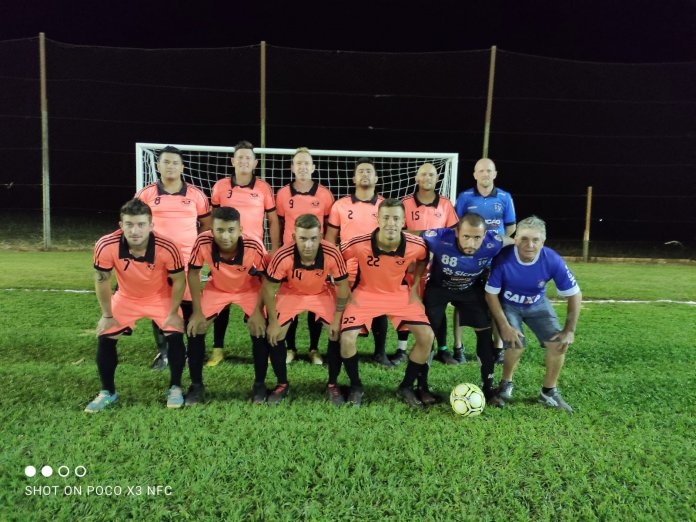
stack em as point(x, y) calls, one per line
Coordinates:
point(236, 263)
point(383, 258)
point(296, 281)
point(515, 294)
point(142, 261)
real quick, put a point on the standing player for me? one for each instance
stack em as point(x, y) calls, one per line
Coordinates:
point(459, 257)
point(425, 209)
point(300, 271)
point(515, 294)
point(496, 207)
point(303, 196)
point(179, 211)
point(383, 258)
point(236, 262)
point(142, 260)
point(253, 198)
point(355, 215)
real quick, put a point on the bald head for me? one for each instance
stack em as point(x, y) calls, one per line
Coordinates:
point(426, 177)
point(485, 173)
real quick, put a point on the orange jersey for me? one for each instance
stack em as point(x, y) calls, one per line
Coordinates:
point(231, 275)
point(138, 277)
point(286, 266)
point(291, 204)
point(354, 217)
point(252, 201)
point(176, 215)
point(381, 271)
point(421, 216)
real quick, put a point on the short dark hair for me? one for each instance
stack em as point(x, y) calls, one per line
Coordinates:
point(226, 214)
point(171, 150)
point(391, 203)
point(135, 207)
point(360, 161)
point(244, 145)
point(473, 219)
point(307, 221)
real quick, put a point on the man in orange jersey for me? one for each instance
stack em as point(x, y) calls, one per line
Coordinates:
point(253, 198)
point(352, 216)
point(383, 258)
point(179, 212)
point(426, 209)
point(296, 281)
point(303, 196)
point(143, 261)
point(236, 262)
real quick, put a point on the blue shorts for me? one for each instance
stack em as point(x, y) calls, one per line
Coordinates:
point(540, 317)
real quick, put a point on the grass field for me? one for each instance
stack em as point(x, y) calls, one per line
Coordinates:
point(627, 452)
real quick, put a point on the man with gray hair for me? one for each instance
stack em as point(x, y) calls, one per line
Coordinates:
point(515, 293)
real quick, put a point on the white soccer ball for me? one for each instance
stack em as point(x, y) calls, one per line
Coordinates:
point(467, 400)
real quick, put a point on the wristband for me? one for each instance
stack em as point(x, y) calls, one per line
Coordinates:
point(108, 316)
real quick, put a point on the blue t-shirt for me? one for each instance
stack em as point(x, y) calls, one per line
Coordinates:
point(497, 209)
point(524, 284)
point(452, 269)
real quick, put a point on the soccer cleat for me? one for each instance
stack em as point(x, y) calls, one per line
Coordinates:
point(216, 357)
point(493, 398)
point(505, 389)
point(334, 395)
point(290, 356)
point(409, 397)
point(195, 395)
point(175, 397)
point(382, 360)
point(258, 393)
point(355, 395)
point(459, 355)
point(101, 401)
point(427, 397)
point(160, 361)
point(315, 358)
point(281, 391)
point(398, 357)
point(446, 358)
point(499, 355)
point(553, 399)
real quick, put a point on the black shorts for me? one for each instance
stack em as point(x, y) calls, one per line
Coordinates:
point(471, 304)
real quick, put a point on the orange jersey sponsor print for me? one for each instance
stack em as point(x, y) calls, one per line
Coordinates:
point(286, 267)
point(354, 217)
point(290, 204)
point(139, 277)
point(421, 216)
point(252, 201)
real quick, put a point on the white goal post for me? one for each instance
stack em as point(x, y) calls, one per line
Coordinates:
point(204, 165)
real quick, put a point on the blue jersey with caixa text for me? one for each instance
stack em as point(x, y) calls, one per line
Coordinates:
point(524, 284)
point(452, 269)
point(497, 209)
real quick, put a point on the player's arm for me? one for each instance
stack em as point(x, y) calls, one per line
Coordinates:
point(197, 319)
point(509, 230)
point(342, 296)
point(331, 234)
point(269, 289)
point(274, 230)
point(102, 287)
point(178, 288)
point(204, 223)
point(257, 322)
point(567, 335)
point(417, 276)
point(507, 332)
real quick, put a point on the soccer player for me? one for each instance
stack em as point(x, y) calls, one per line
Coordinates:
point(355, 215)
point(142, 260)
point(383, 258)
point(236, 261)
point(253, 198)
point(460, 256)
point(425, 209)
point(296, 281)
point(515, 293)
point(497, 208)
point(303, 196)
point(179, 211)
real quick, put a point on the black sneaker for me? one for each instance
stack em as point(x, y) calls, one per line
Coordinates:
point(355, 395)
point(278, 394)
point(493, 398)
point(160, 362)
point(459, 355)
point(446, 358)
point(409, 397)
point(195, 395)
point(427, 397)
point(382, 360)
point(334, 395)
point(258, 393)
point(499, 355)
point(398, 357)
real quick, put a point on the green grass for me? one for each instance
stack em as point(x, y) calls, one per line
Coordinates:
point(627, 452)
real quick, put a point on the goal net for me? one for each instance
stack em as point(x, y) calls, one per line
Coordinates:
point(204, 165)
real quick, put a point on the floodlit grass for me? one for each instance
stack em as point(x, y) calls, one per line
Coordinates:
point(627, 452)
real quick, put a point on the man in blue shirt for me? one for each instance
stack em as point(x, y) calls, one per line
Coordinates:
point(515, 293)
